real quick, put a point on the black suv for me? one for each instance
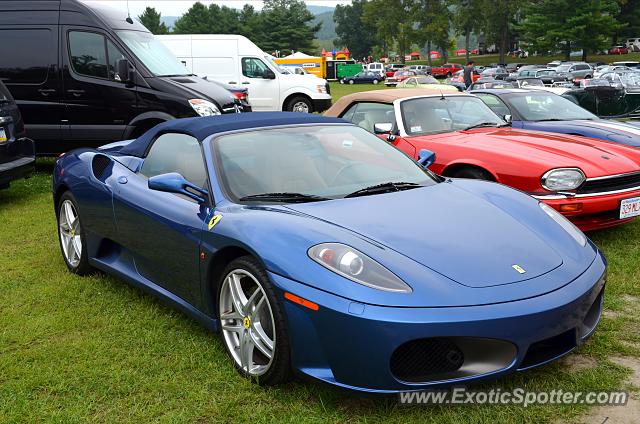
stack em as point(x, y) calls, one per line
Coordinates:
point(16, 152)
point(87, 75)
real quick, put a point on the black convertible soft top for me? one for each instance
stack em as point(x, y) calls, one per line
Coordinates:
point(201, 128)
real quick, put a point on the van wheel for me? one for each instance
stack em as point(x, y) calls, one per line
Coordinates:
point(300, 104)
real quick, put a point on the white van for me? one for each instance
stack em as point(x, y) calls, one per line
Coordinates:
point(235, 60)
point(633, 44)
point(376, 67)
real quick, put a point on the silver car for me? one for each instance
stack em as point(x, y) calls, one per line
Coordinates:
point(573, 70)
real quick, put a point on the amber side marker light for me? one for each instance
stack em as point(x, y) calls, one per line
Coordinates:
point(300, 301)
point(571, 207)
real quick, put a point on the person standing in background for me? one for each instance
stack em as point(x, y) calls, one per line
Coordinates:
point(468, 72)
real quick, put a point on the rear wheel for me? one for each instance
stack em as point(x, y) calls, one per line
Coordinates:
point(252, 322)
point(351, 81)
point(71, 236)
point(375, 81)
point(473, 173)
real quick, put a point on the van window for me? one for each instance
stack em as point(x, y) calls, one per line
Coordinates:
point(114, 55)
point(88, 54)
point(253, 67)
point(25, 55)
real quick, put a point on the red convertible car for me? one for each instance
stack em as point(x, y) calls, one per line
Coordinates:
point(446, 70)
point(596, 184)
point(399, 76)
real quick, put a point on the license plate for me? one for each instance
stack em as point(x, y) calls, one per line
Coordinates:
point(630, 208)
point(3, 135)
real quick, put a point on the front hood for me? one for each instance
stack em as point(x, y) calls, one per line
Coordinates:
point(548, 150)
point(304, 80)
point(200, 88)
point(451, 231)
point(606, 129)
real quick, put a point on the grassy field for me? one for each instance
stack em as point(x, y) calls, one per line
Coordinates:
point(93, 349)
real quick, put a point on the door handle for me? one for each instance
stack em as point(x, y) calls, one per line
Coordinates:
point(246, 82)
point(46, 91)
point(232, 82)
point(76, 93)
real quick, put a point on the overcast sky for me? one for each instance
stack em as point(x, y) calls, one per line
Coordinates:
point(178, 7)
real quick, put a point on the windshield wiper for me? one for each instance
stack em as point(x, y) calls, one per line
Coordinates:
point(482, 124)
point(284, 197)
point(383, 188)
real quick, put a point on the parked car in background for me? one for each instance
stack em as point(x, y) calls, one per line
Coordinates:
point(290, 264)
point(376, 67)
point(495, 73)
point(633, 44)
point(446, 70)
point(609, 68)
point(399, 76)
point(574, 70)
point(549, 76)
point(529, 82)
point(555, 63)
point(618, 50)
point(426, 81)
point(393, 68)
point(491, 83)
point(17, 153)
point(86, 76)
point(544, 111)
point(421, 69)
point(457, 80)
point(364, 77)
point(613, 95)
point(582, 178)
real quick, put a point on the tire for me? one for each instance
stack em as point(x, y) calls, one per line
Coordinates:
point(266, 323)
point(473, 173)
point(351, 82)
point(375, 81)
point(342, 81)
point(71, 236)
point(300, 104)
point(448, 74)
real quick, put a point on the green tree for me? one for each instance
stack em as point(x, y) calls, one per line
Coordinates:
point(288, 26)
point(353, 32)
point(393, 21)
point(467, 19)
point(500, 16)
point(433, 19)
point(214, 19)
point(151, 19)
point(585, 24)
point(629, 16)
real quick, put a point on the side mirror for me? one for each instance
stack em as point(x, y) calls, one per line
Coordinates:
point(268, 74)
point(383, 128)
point(176, 183)
point(124, 71)
point(426, 158)
point(507, 118)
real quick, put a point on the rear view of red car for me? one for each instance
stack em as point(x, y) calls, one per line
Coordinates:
point(446, 70)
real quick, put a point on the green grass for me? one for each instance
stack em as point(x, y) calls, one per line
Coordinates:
point(94, 349)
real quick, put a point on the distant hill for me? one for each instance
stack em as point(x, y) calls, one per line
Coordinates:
point(328, 29)
point(317, 10)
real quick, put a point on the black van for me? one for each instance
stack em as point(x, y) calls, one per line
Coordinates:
point(87, 75)
point(17, 158)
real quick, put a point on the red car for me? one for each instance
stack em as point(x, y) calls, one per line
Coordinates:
point(391, 69)
point(458, 77)
point(446, 70)
point(618, 50)
point(596, 184)
point(399, 76)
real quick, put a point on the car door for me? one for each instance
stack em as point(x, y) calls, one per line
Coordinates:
point(99, 105)
point(163, 230)
point(263, 92)
point(29, 69)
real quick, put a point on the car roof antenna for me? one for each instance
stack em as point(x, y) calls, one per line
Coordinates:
point(129, 20)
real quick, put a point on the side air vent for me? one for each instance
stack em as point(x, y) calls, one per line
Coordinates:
point(100, 165)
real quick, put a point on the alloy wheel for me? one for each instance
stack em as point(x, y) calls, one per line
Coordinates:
point(69, 229)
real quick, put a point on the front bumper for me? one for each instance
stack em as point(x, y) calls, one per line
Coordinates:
point(320, 105)
point(350, 344)
point(597, 211)
point(18, 160)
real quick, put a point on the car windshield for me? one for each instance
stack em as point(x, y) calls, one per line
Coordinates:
point(427, 80)
point(325, 161)
point(542, 106)
point(563, 68)
point(4, 94)
point(546, 73)
point(430, 115)
point(155, 56)
point(274, 65)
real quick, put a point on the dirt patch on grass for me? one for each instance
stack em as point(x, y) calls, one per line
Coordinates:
point(577, 363)
point(627, 414)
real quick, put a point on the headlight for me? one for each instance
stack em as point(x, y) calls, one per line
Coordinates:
point(356, 266)
point(565, 223)
point(204, 107)
point(563, 179)
point(321, 89)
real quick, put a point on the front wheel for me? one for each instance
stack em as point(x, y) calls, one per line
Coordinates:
point(71, 236)
point(375, 82)
point(252, 322)
point(300, 104)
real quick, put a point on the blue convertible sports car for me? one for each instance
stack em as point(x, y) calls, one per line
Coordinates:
point(316, 248)
point(544, 111)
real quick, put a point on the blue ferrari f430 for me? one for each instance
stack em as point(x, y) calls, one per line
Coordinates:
point(315, 248)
